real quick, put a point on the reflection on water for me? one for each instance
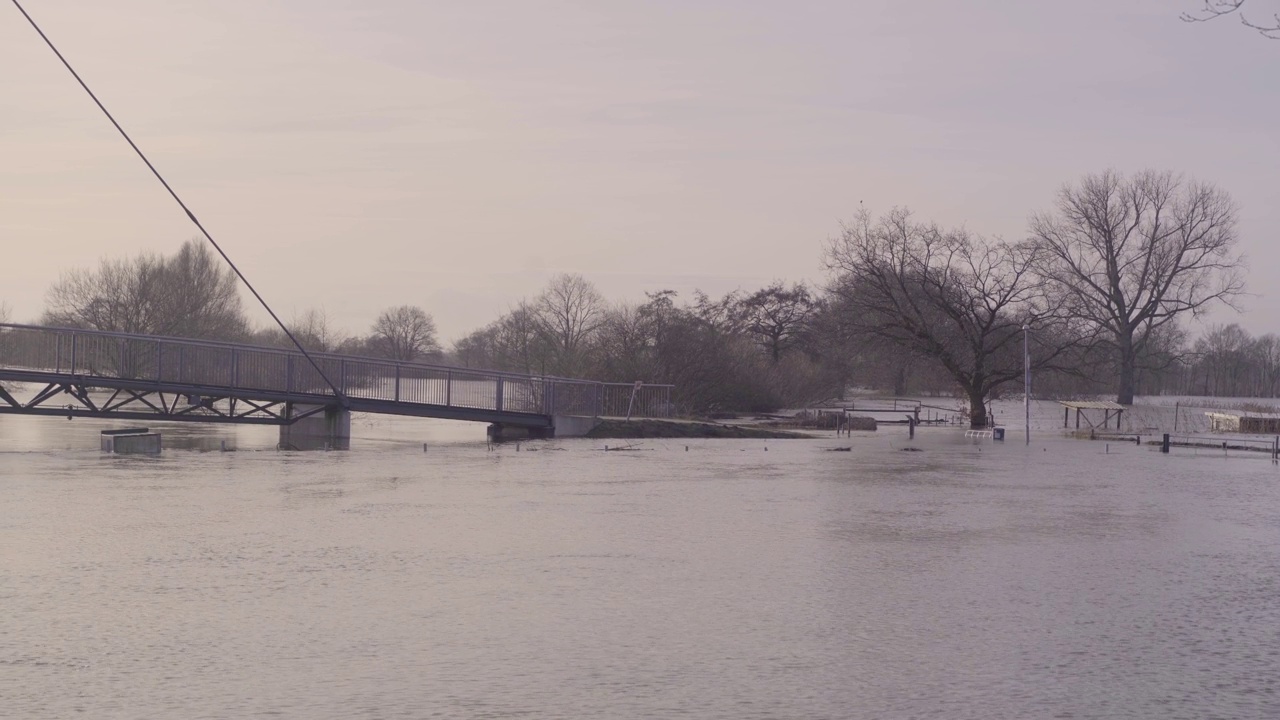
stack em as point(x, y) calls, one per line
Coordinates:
point(968, 580)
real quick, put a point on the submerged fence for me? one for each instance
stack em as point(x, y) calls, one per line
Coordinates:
point(91, 354)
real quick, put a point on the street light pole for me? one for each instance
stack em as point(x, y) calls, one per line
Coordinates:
point(1026, 379)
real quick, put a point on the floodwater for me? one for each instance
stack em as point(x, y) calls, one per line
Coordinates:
point(971, 579)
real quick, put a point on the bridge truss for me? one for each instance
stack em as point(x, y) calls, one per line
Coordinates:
point(84, 373)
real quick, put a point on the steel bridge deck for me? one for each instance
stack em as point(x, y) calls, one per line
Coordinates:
point(82, 373)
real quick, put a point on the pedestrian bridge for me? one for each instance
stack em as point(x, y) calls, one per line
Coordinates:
point(87, 373)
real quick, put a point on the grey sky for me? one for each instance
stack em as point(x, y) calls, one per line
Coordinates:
point(358, 154)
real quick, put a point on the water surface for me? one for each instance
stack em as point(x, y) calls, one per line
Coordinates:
point(1068, 579)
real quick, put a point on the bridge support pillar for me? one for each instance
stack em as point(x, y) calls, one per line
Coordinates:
point(574, 425)
point(329, 429)
point(500, 433)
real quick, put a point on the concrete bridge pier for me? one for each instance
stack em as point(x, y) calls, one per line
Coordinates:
point(573, 425)
point(329, 429)
point(500, 432)
point(561, 426)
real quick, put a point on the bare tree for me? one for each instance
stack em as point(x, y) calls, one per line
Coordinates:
point(569, 312)
point(478, 349)
point(1131, 255)
point(404, 333)
point(777, 316)
point(316, 331)
point(202, 297)
point(187, 295)
point(1214, 9)
point(1224, 352)
point(312, 328)
point(626, 343)
point(521, 344)
point(944, 295)
point(1266, 353)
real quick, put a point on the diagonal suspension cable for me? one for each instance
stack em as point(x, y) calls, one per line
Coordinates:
point(338, 392)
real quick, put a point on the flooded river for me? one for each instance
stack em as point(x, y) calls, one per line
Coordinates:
point(967, 580)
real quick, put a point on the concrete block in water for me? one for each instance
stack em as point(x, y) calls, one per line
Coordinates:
point(133, 441)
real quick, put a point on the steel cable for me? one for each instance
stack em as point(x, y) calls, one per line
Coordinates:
point(337, 391)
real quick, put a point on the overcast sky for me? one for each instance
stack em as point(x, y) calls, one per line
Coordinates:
point(356, 154)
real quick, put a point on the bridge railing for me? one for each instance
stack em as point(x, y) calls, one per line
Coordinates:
point(208, 364)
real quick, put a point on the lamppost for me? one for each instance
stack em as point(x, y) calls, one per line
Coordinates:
point(1026, 378)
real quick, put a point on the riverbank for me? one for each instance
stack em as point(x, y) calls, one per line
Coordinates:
point(637, 429)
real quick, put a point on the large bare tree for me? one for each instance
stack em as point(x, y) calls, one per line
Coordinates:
point(188, 294)
point(776, 316)
point(1214, 9)
point(944, 295)
point(1130, 255)
point(404, 333)
point(569, 311)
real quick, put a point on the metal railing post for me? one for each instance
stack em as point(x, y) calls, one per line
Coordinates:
point(342, 372)
point(57, 353)
point(182, 361)
point(73, 353)
point(498, 404)
point(288, 374)
point(235, 368)
point(159, 360)
point(397, 382)
point(448, 388)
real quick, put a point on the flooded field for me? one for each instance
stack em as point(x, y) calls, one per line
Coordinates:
point(732, 579)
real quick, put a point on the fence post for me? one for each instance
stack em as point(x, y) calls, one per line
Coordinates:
point(631, 403)
point(73, 353)
point(342, 372)
point(499, 399)
point(288, 373)
point(235, 368)
point(397, 382)
point(57, 353)
point(448, 388)
point(159, 362)
point(1164, 444)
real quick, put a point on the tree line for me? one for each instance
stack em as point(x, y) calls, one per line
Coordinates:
point(191, 294)
point(1092, 300)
